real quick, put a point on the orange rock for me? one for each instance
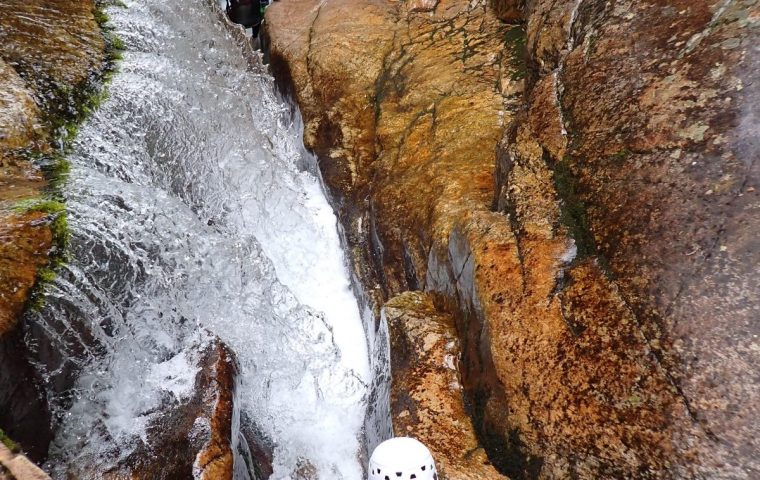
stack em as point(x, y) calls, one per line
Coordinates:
point(191, 438)
point(427, 398)
point(605, 309)
point(660, 119)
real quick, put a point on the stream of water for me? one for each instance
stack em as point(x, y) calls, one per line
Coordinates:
point(193, 209)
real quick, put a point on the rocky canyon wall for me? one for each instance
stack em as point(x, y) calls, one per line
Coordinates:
point(645, 113)
point(577, 189)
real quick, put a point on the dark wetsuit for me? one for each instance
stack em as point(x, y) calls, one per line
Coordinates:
point(245, 12)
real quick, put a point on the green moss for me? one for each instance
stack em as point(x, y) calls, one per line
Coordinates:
point(117, 43)
point(39, 205)
point(68, 108)
point(58, 225)
point(622, 154)
point(74, 105)
point(515, 41)
point(114, 44)
point(61, 235)
point(592, 38)
point(46, 275)
point(10, 444)
point(71, 105)
point(573, 209)
point(57, 172)
point(59, 228)
point(101, 17)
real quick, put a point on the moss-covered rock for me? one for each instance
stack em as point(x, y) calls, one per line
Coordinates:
point(52, 59)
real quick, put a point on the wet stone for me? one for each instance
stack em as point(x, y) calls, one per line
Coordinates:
point(188, 439)
point(427, 398)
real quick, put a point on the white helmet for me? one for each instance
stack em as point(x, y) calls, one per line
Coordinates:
point(402, 458)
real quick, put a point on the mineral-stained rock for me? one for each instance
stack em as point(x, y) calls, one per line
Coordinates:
point(400, 127)
point(605, 310)
point(49, 51)
point(20, 122)
point(508, 10)
point(651, 131)
point(55, 45)
point(382, 74)
point(427, 401)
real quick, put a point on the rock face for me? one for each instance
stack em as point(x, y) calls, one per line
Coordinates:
point(589, 216)
point(645, 112)
point(383, 95)
point(49, 52)
point(427, 400)
point(17, 467)
point(26, 240)
point(56, 47)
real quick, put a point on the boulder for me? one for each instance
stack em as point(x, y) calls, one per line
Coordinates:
point(190, 438)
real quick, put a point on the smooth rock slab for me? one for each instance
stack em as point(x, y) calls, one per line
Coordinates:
point(18, 467)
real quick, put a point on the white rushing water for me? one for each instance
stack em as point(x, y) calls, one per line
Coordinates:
point(193, 210)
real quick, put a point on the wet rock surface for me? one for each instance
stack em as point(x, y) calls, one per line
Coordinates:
point(652, 138)
point(404, 107)
point(15, 466)
point(191, 438)
point(55, 46)
point(383, 95)
point(48, 52)
point(603, 285)
point(427, 398)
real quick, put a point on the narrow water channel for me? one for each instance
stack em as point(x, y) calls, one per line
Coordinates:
point(193, 208)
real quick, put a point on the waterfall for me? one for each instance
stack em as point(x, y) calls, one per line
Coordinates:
point(195, 211)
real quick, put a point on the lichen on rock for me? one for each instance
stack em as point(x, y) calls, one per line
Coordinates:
point(593, 238)
point(427, 398)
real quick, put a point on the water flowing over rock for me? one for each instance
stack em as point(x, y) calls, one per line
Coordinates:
point(595, 236)
point(48, 52)
point(190, 436)
point(193, 209)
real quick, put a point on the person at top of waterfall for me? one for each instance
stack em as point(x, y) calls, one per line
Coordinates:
point(247, 13)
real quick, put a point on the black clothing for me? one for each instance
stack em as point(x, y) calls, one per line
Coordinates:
point(245, 12)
